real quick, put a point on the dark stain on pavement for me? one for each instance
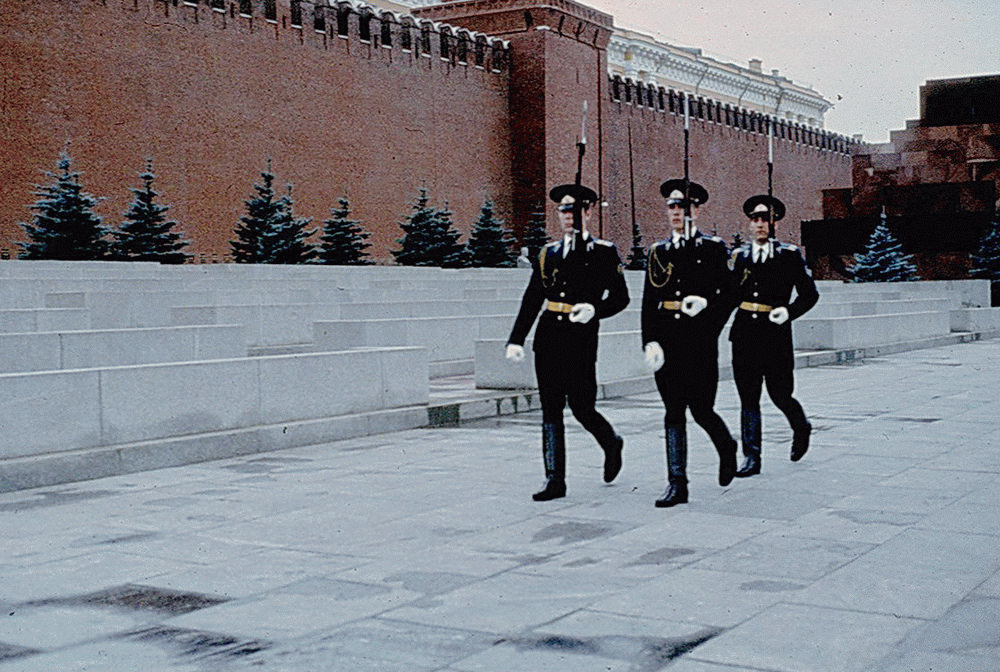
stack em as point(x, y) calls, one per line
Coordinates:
point(661, 556)
point(12, 651)
point(54, 498)
point(197, 643)
point(134, 597)
point(572, 532)
point(431, 583)
point(645, 654)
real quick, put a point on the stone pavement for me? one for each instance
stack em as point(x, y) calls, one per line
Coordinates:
point(422, 550)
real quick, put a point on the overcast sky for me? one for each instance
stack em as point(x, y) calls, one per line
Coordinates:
point(868, 57)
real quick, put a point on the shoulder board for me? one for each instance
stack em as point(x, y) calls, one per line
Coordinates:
point(742, 251)
point(788, 246)
point(714, 239)
point(606, 243)
point(553, 244)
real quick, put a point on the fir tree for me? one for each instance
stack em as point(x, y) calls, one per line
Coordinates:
point(64, 225)
point(429, 237)
point(536, 236)
point(344, 240)
point(453, 253)
point(269, 233)
point(883, 259)
point(490, 243)
point(986, 260)
point(146, 234)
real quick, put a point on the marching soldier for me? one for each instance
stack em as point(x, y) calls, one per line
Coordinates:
point(579, 280)
point(685, 304)
point(766, 271)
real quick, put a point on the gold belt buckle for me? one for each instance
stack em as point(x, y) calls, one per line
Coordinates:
point(557, 307)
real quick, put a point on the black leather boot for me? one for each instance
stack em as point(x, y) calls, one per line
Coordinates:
point(727, 461)
point(612, 458)
point(750, 431)
point(677, 490)
point(554, 457)
point(800, 441)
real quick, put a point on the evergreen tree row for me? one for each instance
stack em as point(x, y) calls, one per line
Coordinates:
point(65, 226)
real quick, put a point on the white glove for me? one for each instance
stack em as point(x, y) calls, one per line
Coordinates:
point(582, 313)
point(515, 352)
point(654, 355)
point(779, 315)
point(692, 305)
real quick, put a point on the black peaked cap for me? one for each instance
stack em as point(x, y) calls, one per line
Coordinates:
point(697, 193)
point(584, 195)
point(768, 202)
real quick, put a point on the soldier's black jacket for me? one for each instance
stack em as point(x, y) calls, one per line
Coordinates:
point(593, 277)
point(770, 283)
point(700, 268)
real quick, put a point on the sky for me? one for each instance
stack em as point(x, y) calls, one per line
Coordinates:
point(869, 58)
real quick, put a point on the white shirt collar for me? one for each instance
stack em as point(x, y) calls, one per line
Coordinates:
point(767, 249)
point(568, 241)
point(676, 236)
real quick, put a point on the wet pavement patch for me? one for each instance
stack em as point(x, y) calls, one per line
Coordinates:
point(645, 654)
point(661, 556)
point(11, 651)
point(582, 562)
point(197, 643)
point(572, 532)
point(139, 536)
point(139, 598)
point(265, 465)
point(431, 583)
point(56, 498)
point(770, 586)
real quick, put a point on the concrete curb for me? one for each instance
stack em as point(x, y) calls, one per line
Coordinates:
point(496, 403)
point(102, 461)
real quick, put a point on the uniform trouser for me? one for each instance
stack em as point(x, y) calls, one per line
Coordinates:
point(564, 375)
point(758, 362)
point(692, 383)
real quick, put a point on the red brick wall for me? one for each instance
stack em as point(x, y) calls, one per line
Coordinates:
point(558, 53)
point(211, 95)
point(730, 163)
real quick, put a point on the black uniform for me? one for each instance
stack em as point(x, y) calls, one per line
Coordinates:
point(762, 350)
point(566, 352)
point(690, 375)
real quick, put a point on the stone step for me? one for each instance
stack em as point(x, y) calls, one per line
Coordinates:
point(60, 350)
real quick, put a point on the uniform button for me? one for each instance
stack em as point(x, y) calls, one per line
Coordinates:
point(562, 293)
point(755, 294)
point(677, 293)
point(677, 316)
point(559, 317)
point(699, 261)
point(754, 316)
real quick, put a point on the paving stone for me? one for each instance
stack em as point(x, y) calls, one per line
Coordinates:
point(422, 549)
